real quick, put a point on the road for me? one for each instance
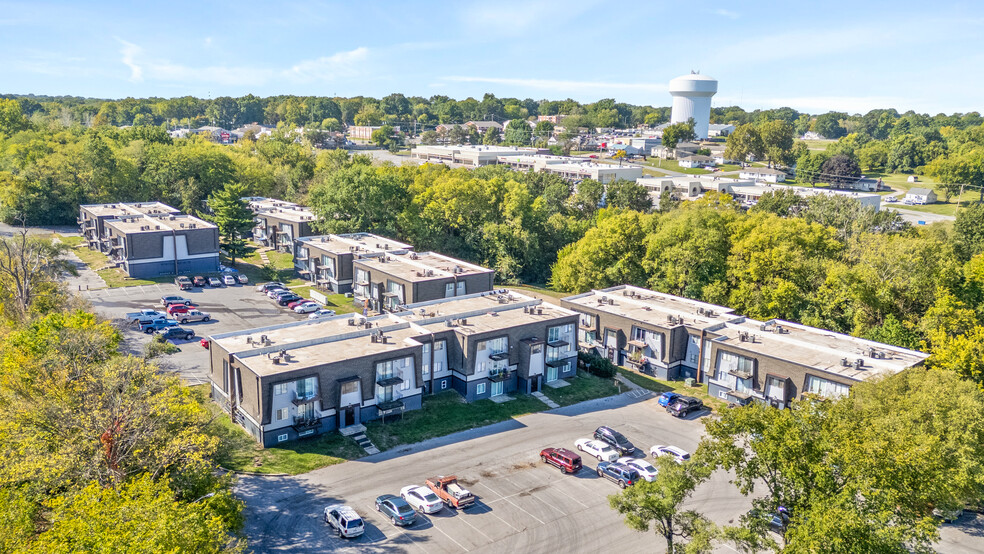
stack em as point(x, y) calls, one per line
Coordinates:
point(917, 218)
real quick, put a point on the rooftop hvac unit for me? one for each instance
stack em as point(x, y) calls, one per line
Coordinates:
point(743, 336)
point(464, 321)
point(276, 360)
point(373, 338)
point(859, 363)
point(700, 311)
point(249, 339)
point(539, 310)
point(845, 362)
point(413, 256)
point(351, 322)
point(448, 323)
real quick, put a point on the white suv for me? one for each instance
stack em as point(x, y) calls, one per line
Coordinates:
point(344, 520)
point(678, 454)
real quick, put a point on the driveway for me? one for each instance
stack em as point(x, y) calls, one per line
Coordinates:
point(232, 308)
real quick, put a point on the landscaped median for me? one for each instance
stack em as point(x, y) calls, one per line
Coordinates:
point(442, 414)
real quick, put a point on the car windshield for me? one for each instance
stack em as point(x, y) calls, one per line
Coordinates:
point(618, 437)
point(606, 448)
point(685, 456)
point(430, 497)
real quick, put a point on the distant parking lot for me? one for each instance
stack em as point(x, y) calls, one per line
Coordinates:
point(232, 308)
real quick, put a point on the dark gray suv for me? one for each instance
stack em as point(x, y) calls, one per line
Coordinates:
point(683, 405)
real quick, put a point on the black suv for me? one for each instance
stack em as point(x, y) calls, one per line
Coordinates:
point(616, 440)
point(625, 476)
point(683, 405)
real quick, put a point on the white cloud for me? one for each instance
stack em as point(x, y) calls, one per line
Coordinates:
point(560, 86)
point(130, 52)
point(726, 13)
point(328, 68)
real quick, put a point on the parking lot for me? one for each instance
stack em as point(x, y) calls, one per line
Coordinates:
point(232, 308)
point(523, 504)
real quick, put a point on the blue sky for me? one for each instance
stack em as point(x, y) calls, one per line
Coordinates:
point(812, 56)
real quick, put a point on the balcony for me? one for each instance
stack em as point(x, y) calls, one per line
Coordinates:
point(388, 381)
point(499, 356)
point(305, 422)
point(741, 373)
point(497, 376)
point(389, 405)
point(557, 343)
point(558, 363)
point(303, 399)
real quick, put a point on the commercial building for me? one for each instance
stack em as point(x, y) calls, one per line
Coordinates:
point(692, 187)
point(719, 130)
point(572, 169)
point(364, 132)
point(279, 223)
point(740, 359)
point(387, 282)
point(326, 260)
point(692, 99)
point(645, 144)
point(764, 174)
point(310, 377)
point(467, 154)
point(151, 239)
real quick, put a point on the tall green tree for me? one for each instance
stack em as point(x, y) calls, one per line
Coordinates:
point(745, 141)
point(678, 132)
point(358, 198)
point(631, 195)
point(518, 132)
point(777, 141)
point(231, 213)
point(658, 505)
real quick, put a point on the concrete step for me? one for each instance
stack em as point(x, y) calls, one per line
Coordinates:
point(546, 400)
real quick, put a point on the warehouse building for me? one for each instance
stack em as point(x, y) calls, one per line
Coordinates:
point(467, 154)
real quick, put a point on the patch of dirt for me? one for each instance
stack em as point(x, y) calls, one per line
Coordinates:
point(533, 490)
point(522, 466)
point(467, 482)
point(487, 474)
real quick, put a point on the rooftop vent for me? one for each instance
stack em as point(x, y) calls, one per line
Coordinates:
point(845, 362)
point(700, 311)
point(859, 363)
point(449, 323)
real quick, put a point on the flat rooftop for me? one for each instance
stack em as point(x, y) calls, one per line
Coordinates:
point(422, 266)
point(311, 343)
point(491, 150)
point(130, 208)
point(655, 308)
point(817, 348)
point(155, 224)
point(343, 244)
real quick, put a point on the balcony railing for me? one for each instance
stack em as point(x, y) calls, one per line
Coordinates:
point(741, 373)
point(499, 356)
point(306, 422)
point(388, 381)
point(499, 375)
point(303, 398)
point(390, 405)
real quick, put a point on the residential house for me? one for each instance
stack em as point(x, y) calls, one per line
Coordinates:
point(765, 174)
point(696, 161)
point(364, 132)
point(920, 196)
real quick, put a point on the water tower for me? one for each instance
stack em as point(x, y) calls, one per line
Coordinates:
point(692, 98)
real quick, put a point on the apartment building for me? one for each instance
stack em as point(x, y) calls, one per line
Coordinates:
point(326, 260)
point(150, 239)
point(93, 217)
point(384, 283)
point(467, 154)
point(310, 377)
point(572, 169)
point(741, 360)
point(279, 223)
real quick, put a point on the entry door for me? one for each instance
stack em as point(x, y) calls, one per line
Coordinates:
point(551, 374)
point(535, 384)
point(348, 417)
point(496, 388)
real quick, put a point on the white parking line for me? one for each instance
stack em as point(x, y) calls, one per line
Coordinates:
point(510, 501)
point(534, 496)
point(497, 517)
point(450, 538)
point(477, 530)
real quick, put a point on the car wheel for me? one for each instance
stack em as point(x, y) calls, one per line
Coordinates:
point(206, 318)
point(187, 302)
point(600, 474)
point(599, 458)
point(149, 330)
point(378, 508)
point(579, 448)
point(621, 483)
point(420, 509)
point(189, 336)
point(393, 520)
point(184, 321)
point(563, 470)
point(543, 459)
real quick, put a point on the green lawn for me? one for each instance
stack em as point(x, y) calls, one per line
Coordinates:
point(98, 261)
point(819, 144)
point(898, 182)
point(336, 302)
point(659, 386)
point(446, 413)
point(539, 290)
point(672, 165)
point(582, 387)
point(239, 452)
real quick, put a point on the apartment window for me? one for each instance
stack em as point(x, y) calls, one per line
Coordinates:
point(395, 288)
point(728, 361)
point(282, 414)
point(225, 375)
point(461, 288)
point(384, 370)
point(405, 385)
point(282, 438)
point(494, 346)
point(305, 410)
point(638, 333)
point(279, 389)
point(480, 389)
point(448, 290)
point(425, 364)
point(825, 388)
point(611, 338)
point(328, 265)
point(438, 346)
point(306, 387)
point(775, 388)
point(385, 394)
point(350, 387)
point(302, 252)
point(553, 334)
point(438, 367)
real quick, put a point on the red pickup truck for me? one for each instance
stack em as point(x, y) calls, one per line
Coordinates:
point(450, 492)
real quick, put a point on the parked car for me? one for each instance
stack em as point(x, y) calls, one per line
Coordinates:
point(667, 398)
point(173, 333)
point(306, 307)
point(296, 303)
point(199, 281)
point(396, 508)
point(144, 315)
point(684, 405)
point(214, 282)
point(242, 278)
point(597, 449)
point(204, 343)
point(646, 470)
point(285, 299)
point(157, 324)
point(318, 314)
point(453, 494)
point(422, 499)
point(183, 282)
point(344, 520)
point(564, 459)
point(625, 476)
point(168, 300)
point(192, 315)
point(274, 291)
point(678, 454)
point(615, 439)
point(265, 287)
point(229, 280)
point(178, 309)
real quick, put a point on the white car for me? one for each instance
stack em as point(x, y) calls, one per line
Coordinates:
point(678, 454)
point(229, 280)
point(307, 307)
point(421, 499)
point(318, 314)
point(598, 449)
point(344, 520)
point(646, 470)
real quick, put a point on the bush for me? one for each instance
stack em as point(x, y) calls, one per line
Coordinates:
point(158, 347)
point(598, 365)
